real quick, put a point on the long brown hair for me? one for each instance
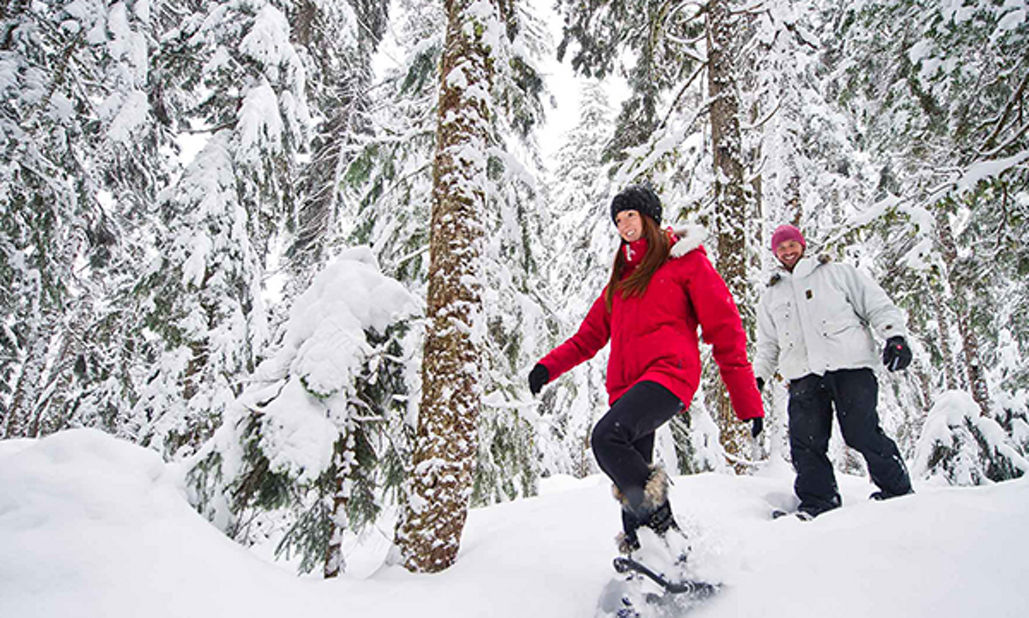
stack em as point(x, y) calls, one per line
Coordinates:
point(658, 246)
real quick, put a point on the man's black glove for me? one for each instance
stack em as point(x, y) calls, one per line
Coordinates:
point(760, 385)
point(537, 378)
point(756, 425)
point(896, 354)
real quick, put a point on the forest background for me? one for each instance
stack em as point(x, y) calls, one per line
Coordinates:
point(217, 231)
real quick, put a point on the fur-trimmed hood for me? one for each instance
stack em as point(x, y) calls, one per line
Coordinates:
point(777, 277)
point(691, 236)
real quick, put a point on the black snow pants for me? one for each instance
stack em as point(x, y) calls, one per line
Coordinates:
point(853, 392)
point(623, 439)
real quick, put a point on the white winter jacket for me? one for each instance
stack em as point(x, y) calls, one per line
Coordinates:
point(818, 318)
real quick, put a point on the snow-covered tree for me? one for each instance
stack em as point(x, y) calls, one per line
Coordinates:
point(386, 198)
point(579, 198)
point(963, 447)
point(440, 483)
point(84, 154)
point(242, 80)
point(517, 248)
point(314, 447)
point(940, 112)
point(337, 43)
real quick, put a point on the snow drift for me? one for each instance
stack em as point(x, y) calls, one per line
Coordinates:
point(91, 526)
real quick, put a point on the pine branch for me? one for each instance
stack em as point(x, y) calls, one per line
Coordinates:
point(686, 42)
point(1014, 138)
point(756, 9)
point(764, 120)
point(1008, 107)
point(675, 101)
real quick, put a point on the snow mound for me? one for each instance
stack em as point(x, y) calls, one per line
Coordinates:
point(92, 526)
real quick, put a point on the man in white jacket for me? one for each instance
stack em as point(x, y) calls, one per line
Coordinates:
point(814, 325)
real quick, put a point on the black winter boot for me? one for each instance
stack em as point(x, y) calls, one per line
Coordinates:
point(649, 509)
point(661, 519)
point(668, 548)
point(627, 540)
point(882, 495)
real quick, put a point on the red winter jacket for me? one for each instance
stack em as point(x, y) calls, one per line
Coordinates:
point(654, 336)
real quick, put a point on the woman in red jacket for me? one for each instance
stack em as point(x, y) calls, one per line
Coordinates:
point(661, 289)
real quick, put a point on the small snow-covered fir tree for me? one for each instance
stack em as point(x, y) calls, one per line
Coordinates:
point(314, 448)
point(962, 447)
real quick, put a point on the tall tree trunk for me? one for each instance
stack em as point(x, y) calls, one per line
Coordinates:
point(334, 560)
point(969, 339)
point(25, 398)
point(943, 332)
point(440, 486)
point(342, 89)
point(730, 196)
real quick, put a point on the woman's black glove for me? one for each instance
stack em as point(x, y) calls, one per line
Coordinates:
point(537, 378)
point(756, 425)
point(760, 384)
point(896, 354)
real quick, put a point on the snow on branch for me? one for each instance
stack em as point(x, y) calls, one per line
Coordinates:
point(962, 447)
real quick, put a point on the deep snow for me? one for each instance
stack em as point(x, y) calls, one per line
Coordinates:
point(91, 526)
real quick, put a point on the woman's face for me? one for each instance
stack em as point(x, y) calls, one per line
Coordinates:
point(630, 225)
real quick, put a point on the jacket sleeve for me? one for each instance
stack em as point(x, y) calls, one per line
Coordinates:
point(871, 303)
point(721, 327)
point(592, 335)
point(767, 358)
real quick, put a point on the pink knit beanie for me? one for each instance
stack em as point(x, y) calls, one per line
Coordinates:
point(787, 232)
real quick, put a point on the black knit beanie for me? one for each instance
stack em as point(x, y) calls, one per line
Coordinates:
point(639, 198)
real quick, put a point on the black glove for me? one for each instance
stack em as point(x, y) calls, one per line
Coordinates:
point(537, 378)
point(896, 354)
point(760, 385)
point(756, 425)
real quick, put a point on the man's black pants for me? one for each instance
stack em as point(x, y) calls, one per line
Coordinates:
point(854, 393)
point(623, 439)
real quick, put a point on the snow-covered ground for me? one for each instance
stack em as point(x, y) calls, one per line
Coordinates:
point(95, 527)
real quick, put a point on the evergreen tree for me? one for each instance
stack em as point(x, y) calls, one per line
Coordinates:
point(576, 276)
point(338, 41)
point(384, 197)
point(201, 296)
point(429, 532)
point(514, 294)
point(315, 447)
point(949, 80)
point(964, 447)
point(84, 156)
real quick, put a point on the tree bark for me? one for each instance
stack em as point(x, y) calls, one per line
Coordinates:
point(28, 388)
point(969, 339)
point(335, 563)
point(440, 483)
point(943, 332)
point(730, 218)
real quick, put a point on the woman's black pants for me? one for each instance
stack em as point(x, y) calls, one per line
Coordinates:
point(623, 439)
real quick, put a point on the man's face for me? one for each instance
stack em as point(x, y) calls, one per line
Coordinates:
point(788, 252)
